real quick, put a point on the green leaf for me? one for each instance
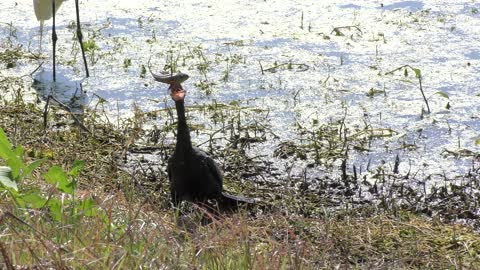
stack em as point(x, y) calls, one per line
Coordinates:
point(4, 140)
point(32, 166)
point(477, 142)
point(34, 200)
point(104, 218)
point(418, 73)
point(18, 199)
point(88, 208)
point(405, 72)
point(56, 176)
point(90, 45)
point(16, 165)
point(442, 94)
point(18, 151)
point(8, 183)
point(11, 157)
point(55, 207)
point(5, 146)
point(77, 167)
point(70, 187)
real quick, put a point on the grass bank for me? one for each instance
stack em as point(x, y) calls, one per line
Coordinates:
point(79, 208)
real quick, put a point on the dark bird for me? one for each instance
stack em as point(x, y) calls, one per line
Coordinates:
point(194, 176)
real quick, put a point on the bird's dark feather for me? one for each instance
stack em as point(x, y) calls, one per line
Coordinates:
point(194, 175)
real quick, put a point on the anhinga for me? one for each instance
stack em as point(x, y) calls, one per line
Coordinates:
point(194, 176)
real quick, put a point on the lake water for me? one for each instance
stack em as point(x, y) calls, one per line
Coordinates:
point(331, 57)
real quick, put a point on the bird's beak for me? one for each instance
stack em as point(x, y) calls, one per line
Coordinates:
point(175, 86)
point(176, 91)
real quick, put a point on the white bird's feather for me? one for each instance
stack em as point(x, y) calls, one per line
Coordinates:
point(43, 11)
point(43, 8)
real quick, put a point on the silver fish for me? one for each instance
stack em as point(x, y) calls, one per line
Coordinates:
point(179, 77)
point(166, 78)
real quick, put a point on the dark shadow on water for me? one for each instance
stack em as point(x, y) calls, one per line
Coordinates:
point(352, 6)
point(473, 54)
point(67, 91)
point(409, 5)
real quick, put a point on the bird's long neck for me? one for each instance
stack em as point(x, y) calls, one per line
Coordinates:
point(183, 134)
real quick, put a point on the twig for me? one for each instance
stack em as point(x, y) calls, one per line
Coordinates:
point(336, 30)
point(65, 107)
point(6, 258)
point(39, 66)
point(49, 246)
point(261, 67)
point(274, 68)
point(9, 214)
point(301, 23)
point(423, 94)
point(397, 69)
point(418, 74)
point(45, 114)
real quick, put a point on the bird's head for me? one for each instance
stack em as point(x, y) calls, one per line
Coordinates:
point(176, 91)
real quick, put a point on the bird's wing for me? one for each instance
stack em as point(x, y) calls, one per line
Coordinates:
point(214, 170)
point(239, 199)
point(169, 168)
point(211, 166)
point(36, 8)
point(43, 9)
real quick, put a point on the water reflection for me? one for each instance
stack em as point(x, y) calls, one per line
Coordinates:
point(65, 90)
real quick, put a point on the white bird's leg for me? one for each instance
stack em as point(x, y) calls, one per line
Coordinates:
point(54, 43)
point(41, 36)
point(54, 40)
point(80, 38)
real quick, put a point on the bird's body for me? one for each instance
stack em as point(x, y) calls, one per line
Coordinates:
point(43, 11)
point(194, 176)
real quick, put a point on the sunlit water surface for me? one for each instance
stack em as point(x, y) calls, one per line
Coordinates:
point(241, 37)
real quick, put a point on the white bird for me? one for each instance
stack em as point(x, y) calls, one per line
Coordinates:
point(43, 11)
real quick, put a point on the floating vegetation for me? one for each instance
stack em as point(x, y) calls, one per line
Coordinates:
point(338, 30)
point(287, 66)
